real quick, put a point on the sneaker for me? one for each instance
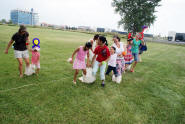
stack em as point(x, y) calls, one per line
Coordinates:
point(81, 79)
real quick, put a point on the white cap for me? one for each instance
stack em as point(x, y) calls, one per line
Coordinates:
point(36, 48)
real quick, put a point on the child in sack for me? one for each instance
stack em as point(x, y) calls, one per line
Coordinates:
point(101, 54)
point(112, 62)
point(79, 63)
point(35, 59)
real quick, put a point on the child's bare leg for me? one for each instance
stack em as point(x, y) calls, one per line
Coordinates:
point(140, 58)
point(126, 66)
point(75, 75)
point(20, 66)
point(133, 66)
point(37, 71)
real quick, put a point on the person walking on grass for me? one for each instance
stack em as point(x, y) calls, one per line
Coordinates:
point(135, 50)
point(128, 57)
point(94, 45)
point(120, 61)
point(101, 54)
point(20, 39)
point(79, 63)
point(112, 62)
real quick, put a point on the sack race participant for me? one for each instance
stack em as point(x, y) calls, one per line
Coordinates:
point(35, 59)
point(120, 61)
point(101, 54)
point(79, 63)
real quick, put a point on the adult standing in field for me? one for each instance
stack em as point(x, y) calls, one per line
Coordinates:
point(94, 44)
point(20, 39)
point(135, 50)
point(120, 61)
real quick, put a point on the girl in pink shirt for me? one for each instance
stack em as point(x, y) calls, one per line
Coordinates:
point(79, 63)
point(35, 59)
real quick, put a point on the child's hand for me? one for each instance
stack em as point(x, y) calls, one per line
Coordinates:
point(6, 51)
point(120, 55)
point(70, 60)
point(88, 65)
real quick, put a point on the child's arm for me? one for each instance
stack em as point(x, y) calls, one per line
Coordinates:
point(28, 44)
point(93, 59)
point(142, 42)
point(88, 64)
point(107, 59)
point(104, 61)
point(9, 44)
point(74, 54)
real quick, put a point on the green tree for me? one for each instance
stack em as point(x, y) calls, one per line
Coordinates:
point(10, 22)
point(135, 13)
point(3, 21)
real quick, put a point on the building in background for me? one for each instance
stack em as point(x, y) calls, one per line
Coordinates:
point(84, 28)
point(100, 30)
point(24, 17)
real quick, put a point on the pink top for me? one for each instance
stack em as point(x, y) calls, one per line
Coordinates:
point(35, 57)
point(81, 54)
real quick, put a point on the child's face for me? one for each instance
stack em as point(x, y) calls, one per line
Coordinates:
point(112, 51)
point(129, 42)
point(100, 42)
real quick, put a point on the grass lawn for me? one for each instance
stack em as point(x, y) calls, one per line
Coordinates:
point(154, 94)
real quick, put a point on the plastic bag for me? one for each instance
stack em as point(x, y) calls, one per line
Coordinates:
point(88, 78)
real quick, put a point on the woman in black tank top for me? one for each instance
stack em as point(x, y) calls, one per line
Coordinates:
point(20, 48)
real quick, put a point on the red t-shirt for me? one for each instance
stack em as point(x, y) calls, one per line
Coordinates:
point(102, 52)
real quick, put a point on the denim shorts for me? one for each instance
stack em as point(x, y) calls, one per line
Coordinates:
point(21, 54)
point(136, 57)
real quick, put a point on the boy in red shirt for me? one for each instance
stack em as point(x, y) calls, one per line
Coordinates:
point(103, 54)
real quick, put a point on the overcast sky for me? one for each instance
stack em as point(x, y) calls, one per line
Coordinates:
point(96, 13)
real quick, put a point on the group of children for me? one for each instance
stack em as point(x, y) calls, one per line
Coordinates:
point(103, 56)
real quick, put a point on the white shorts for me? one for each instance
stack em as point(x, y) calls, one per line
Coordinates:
point(21, 54)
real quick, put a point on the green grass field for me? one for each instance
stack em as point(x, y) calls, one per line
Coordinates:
point(154, 94)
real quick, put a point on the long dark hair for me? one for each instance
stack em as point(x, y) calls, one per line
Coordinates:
point(87, 45)
point(96, 37)
point(117, 37)
point(103, 40)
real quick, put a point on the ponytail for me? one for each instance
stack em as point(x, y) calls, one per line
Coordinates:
point(106, 43)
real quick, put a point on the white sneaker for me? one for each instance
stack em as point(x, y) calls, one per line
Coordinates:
point(81, 79)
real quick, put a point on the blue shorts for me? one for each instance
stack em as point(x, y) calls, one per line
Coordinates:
point(136, 57)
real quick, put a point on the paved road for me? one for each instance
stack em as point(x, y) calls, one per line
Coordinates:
point(164, 41)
